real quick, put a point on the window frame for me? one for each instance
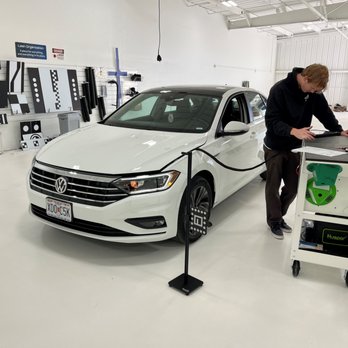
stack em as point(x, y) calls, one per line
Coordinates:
point(248, 98)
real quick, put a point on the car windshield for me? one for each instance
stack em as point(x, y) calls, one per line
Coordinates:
point(167, 111)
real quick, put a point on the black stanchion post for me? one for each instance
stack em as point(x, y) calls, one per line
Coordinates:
point(184, 282)
point(197, 221)
point(188, 214)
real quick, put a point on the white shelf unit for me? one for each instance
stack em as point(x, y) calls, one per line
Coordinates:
point(334, 212)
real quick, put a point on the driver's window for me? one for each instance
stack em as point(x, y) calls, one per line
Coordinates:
point(257, 105)
point(232, 112)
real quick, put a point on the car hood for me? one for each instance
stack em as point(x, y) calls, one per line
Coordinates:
point(115, 150)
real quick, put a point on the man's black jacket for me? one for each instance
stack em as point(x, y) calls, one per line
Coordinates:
point(288, 107)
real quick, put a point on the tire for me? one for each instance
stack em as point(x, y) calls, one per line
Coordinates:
point(201, 197)
point(296, 268)
point(263, 175)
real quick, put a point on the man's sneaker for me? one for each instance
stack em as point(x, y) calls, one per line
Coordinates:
point(277, 231)
point(285, 227)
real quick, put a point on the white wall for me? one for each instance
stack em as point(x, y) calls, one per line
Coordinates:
point(328, 48)
point(196, 47)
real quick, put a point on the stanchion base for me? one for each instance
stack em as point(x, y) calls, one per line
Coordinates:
point(185, 283)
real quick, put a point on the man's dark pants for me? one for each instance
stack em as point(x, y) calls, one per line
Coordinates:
point(280, 165)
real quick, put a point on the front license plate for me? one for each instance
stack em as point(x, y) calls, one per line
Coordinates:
point(58, 209)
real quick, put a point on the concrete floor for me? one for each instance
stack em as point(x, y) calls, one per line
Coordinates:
point(61, 290)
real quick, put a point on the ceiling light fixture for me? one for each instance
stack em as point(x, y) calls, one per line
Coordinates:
point(311, 27)
point(232, 3)
point(316, 28)
point(229, 3)
point(283, 31)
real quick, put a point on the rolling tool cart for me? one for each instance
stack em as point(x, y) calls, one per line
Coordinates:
point(320, 232)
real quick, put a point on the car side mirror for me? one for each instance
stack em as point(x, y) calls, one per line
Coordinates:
point(235, 128)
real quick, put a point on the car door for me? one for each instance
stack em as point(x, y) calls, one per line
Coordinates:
point(238, 151)
point(257, 109)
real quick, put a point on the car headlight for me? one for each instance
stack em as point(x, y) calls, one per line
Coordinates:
point(147, 183)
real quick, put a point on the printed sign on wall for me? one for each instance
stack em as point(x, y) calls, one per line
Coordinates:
point(28, 50)
point(54, 89)
point(58, 53)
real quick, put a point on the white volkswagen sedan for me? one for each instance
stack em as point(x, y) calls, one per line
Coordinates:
point(124, 178)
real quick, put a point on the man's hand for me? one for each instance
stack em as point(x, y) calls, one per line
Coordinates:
point(304, 133)
point(345, 133)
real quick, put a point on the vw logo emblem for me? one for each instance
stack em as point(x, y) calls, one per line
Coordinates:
point(61, 184)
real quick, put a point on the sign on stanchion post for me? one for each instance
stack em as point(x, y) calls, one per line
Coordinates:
point(196, 220)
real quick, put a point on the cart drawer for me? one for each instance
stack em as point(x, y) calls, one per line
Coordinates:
point(332, 237)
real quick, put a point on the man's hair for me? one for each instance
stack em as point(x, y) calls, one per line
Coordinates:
point(317, 74)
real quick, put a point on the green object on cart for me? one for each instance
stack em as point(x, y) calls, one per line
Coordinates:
point(319, 195)
point(324, 174)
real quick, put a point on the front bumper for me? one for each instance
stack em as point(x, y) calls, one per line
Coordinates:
point(109, 222)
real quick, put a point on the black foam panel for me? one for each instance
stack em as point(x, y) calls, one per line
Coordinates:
point(94, 85)
point(87, 93)
point(92, 101)
point(3, 119)
point(3, 94)
point(101, 107)
point(84, 109)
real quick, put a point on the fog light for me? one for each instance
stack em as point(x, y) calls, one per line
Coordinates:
point(148, 222)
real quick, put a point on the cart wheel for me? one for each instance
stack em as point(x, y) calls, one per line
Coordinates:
point(346, 277)
point(296, 268)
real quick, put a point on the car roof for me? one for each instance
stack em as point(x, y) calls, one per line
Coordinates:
point(215, 90)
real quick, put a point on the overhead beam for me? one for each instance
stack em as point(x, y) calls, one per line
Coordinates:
point(315, 11)
point(324, 18)
point(335, 12)
point(323, 5)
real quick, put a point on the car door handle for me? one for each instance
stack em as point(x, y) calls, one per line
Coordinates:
point(253, 134)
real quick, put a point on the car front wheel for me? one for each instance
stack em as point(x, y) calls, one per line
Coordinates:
point(201, 198)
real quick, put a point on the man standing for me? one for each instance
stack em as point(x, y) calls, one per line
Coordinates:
point(291, 104)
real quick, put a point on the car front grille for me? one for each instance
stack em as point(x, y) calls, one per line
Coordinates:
point(83, 188)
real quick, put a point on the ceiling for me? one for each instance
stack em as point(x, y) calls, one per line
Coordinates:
point(282, 18)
